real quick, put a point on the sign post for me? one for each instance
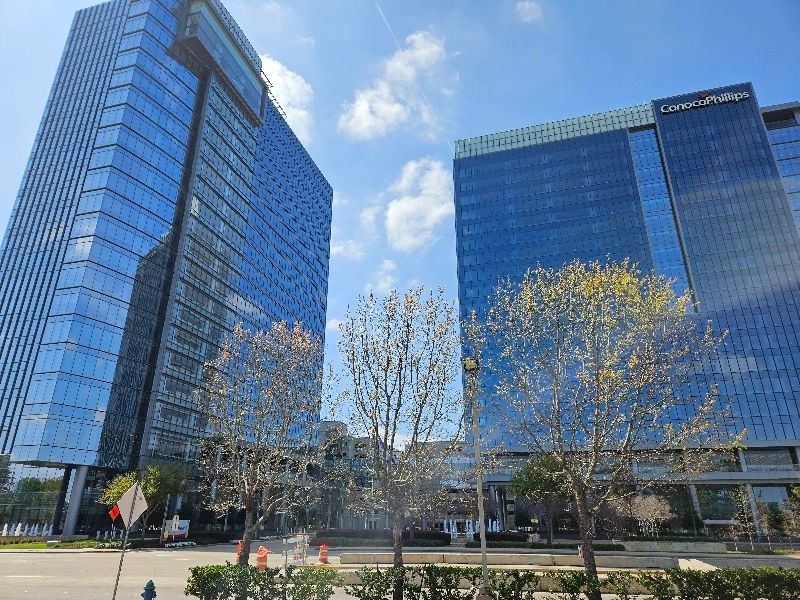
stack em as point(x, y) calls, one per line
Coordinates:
point(130, 507)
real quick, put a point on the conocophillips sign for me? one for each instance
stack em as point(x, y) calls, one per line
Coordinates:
point(705, 99)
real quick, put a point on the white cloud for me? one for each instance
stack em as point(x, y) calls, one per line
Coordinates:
point(368, 217)
point(306, 40)
point(339, 199)
point(384, 279)
point(294, 94)
point(529, 11)
point(349, 249)
point(424, 198)
point(394, 99)
point(333, 325)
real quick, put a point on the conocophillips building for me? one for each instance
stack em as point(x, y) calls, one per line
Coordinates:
point(703, 187)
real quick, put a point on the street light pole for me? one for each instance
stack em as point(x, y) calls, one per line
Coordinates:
point(471, 368)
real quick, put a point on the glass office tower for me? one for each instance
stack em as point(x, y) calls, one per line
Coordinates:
point(165, 200)
point(702, 187)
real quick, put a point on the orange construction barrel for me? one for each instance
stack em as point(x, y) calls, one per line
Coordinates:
point(239, 547)
point(261, 558)
point(323, 554)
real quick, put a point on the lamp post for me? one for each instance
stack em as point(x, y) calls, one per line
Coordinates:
point(471, 369)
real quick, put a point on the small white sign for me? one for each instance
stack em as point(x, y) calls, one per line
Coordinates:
point(177, 529)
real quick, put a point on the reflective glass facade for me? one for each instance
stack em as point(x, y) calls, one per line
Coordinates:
point(166, 199)
point(699, 187)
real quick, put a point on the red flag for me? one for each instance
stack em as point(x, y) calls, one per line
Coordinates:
point(114, 513)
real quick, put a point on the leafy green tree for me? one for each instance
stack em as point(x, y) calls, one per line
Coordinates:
point(5, 473)
point(157, 484)
point(542, 482)
point(37, 494)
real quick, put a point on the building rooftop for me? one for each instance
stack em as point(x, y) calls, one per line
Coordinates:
point(621, 118)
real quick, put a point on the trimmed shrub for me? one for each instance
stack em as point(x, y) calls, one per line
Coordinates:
point(366, 534)
point(570, 582)
point(621, 584)
point(217, 537)
point(312, 583)
point(8, 540)
point(228, 582)
point(431, 582)
point(433, 535)
point(490, 544)
point(375, 584)
point(382, 534)
point(442, 583)
point(601, 546)
point(514, 585)
point(234, 582)
point(380, 543)
point(502, 536)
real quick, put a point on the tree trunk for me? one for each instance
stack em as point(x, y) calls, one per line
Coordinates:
point(247, 535)
point(145, 516)
point(587, 547)
point(550, 534)
point(397, 543)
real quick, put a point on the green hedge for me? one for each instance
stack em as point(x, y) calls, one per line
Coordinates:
point(237, 582)
point(603, 546)
point(8, 540)
point(502, 536)
point(460, 583)
point(374, 542)
point(383, 534)
point(430, 582)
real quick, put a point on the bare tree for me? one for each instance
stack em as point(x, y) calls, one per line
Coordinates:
point(261, 403)
point(789, 519)
point(596, 366)
point(650, 511)
point(744, 522)
point(401, 361)
point(769, 520)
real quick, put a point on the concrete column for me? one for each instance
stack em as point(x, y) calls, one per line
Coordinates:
point(751, 499)
point(71, 520)
point(696, 503)
point(742, 460)
point(62, 497)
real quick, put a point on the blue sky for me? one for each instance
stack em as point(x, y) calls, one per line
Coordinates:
point(379, 102)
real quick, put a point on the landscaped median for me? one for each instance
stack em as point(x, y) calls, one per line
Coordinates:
point(612, 561)
point(28, 543)
point(377, 538)
point(431, 582)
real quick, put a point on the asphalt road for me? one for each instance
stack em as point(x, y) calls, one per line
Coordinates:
point(76, 575)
